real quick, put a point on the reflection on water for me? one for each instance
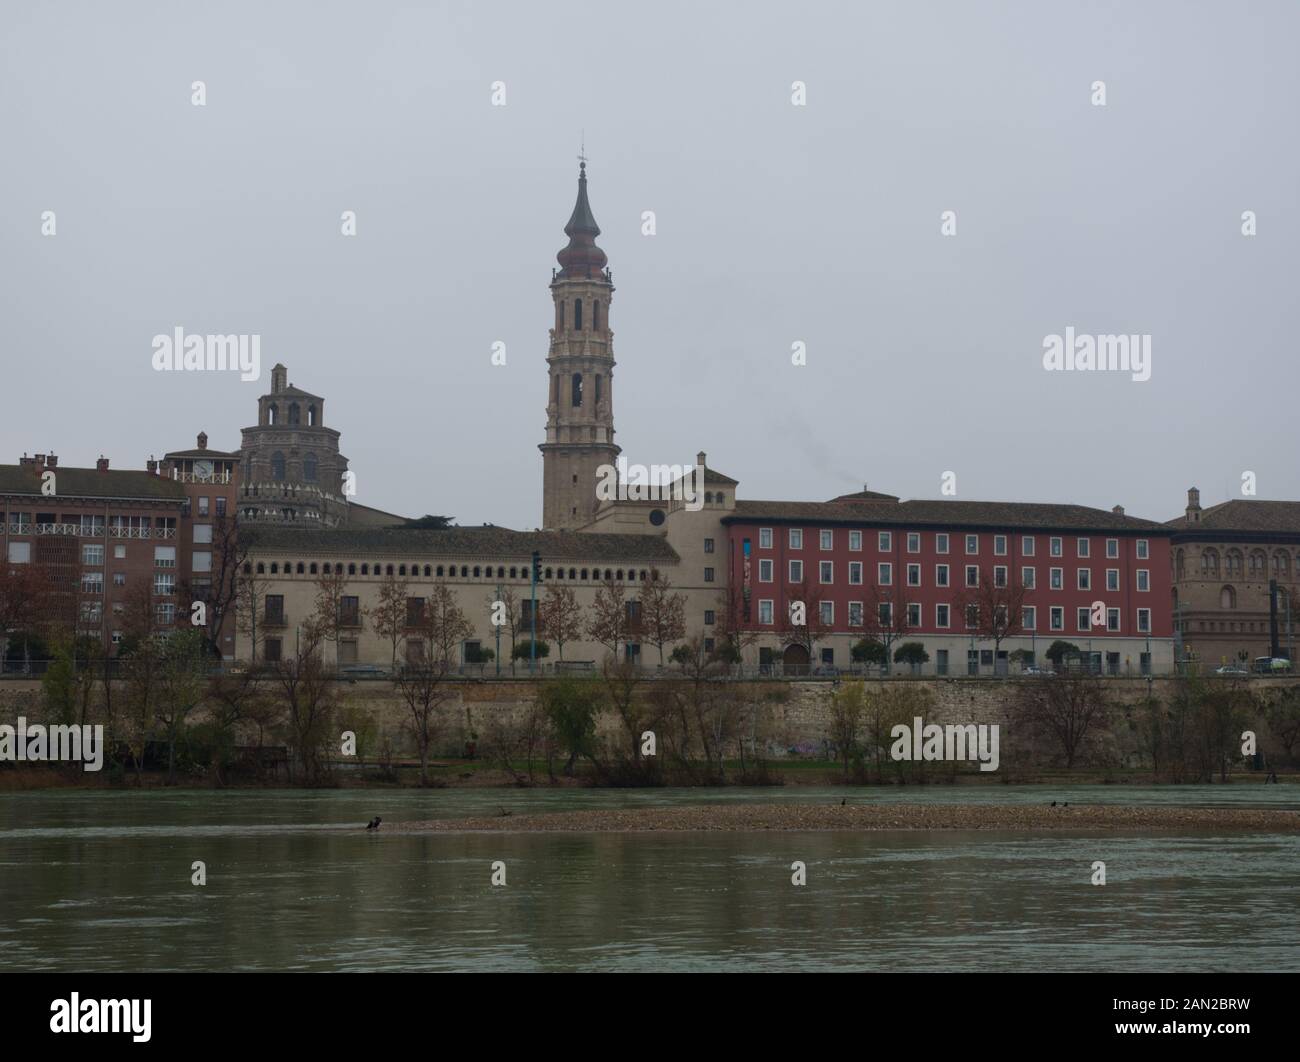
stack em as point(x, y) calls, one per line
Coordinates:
point(101, 881)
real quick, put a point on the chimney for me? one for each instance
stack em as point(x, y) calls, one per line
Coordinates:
point(151, 466)
point(1118, 510)
point(203, 440)
point(38, 460)
point(279, 378)
point(52, 461)
point(1193, 505)
point(699, 459)
point(102, 464)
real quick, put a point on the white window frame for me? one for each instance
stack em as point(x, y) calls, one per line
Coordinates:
point(942, 620)
point(855, 541)
point(796, 538)
point(765, 564)
point(764, 538)
point(913, 569)
point(822, 536)
point(941, 543)
point(884, 542)
point(1083, 578)
point(823, 568)
point(914, 542)
point(1144, 576)
point(770, 605)
point(789, 571)
point(941, 581)
point(1056, 618)
point(1029, 577)
point(999, 552)
point(1026, 545)
point(975, 539)
point(855, 573)
point(884, 573)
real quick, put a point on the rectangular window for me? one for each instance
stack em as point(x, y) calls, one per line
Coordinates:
point(1112, 547)
point(708, 545)
point(941, 662)
point(1112, 619)
point(1112, 580)
point(1144, 621)
point(1056, 578)
point(350, 611)
point(1027, 545)
point(765, 571)
point(93, 556)
point(414, 611)
point(764, 538)
point(972, 575)
point(941, 616)
point(1057, 618)
point(765, 612)
point(999, 545)
point(271, 650)
point(710, 617)
point(913, 575)
point(972, 616)
point(941, 575)
point(1144, 579)
point(1027, 578)
point(855, 573)
point(884, 574)
point(855, 541)
point(1083, 546)
point(972, 545)
point(92, 582)
point(1085, 579)
point(796, 571)
point(164, 584)
point(855, 613)
point(203, 507)
point(1054, 547)
point(164, 556)
point(913, 542)
point(20, 553)
point(826, 611)
point(941, 543)
point(827, 572)
point(119, 551)
point(119, 578)
point(202, 534)
point(1029, 618)
point(202, 561)
point(275, 609)
point(885, 614)
point(999, 575)
point(708, 575)
point(885, 541)
point(1081, 618)
point(165, 613)
point(221, 506)
point(796, 538)
point(913, 615)
point(1143, 549)
point(827, 540)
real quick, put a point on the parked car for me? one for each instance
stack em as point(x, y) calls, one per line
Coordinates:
point(1272, 665)
point(1231, 669)
point(1034, 669)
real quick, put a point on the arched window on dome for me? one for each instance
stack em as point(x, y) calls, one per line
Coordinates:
point(294, 413)
point(277, 466)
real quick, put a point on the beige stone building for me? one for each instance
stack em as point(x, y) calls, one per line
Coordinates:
point(1224, 560)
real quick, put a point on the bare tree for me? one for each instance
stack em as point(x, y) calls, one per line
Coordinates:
point(510, 603)
point(992, 612)
point(22, 586)
point(802, 622)
point(732, 634)
point(423, 686)
point(561, 616)
point(219, 595)
point(885, 620)
point(304, 688)
point(610, 625)
point(663, 612)
point(389, 616)
point(1067, 706)
point(251, 588)
point(182, 674)
point(329, 616)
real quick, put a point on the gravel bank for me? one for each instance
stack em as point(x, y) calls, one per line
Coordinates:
point(873, 817)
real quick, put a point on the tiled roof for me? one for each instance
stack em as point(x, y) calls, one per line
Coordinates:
point(89, 483)
point(866, 495)
point(923, 512)
point(1245, 514)
point(470, 542)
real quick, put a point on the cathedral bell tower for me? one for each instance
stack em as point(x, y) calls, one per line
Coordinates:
point(579, 409)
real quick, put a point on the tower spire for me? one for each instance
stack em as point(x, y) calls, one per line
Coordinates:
point(581, 258)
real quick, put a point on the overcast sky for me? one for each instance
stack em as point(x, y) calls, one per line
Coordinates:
point(776, 224)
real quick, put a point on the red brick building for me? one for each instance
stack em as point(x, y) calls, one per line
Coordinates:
point(914, 563)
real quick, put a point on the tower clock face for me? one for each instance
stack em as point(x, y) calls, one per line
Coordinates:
point(203, 469)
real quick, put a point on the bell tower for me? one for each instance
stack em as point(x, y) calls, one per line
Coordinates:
point(580, 403)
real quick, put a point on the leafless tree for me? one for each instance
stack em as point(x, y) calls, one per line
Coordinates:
point(561, 617)
point(423, 686)
point(663, 612)
point(389, 616)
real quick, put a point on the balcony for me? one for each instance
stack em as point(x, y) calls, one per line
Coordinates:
point(190, 477)
point(129, 532)
point(58, 529)
point(20, 529)
point(274, 619)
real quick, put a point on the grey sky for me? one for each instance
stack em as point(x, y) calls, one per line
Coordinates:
point(775, 224)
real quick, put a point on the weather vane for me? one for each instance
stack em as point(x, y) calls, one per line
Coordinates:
point(582, 150)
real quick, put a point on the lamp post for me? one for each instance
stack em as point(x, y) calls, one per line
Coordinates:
point(532, 617)
point(498, 627)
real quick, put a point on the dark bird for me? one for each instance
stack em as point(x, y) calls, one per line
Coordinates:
point(374, 823)
point(844, 801)
point(503, 813)
point(1066, 804)
point(1053, 803)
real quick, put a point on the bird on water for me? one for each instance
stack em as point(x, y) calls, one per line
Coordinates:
point(374, 823)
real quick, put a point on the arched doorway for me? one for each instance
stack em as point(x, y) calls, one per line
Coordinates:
point(794, 661)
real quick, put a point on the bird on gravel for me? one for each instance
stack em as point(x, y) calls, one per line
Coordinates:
point(844, 801)
point(502, 812)
point(1053, 803)
point(374, 823)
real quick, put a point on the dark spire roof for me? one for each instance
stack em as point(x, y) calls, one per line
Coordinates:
point(581, 258)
